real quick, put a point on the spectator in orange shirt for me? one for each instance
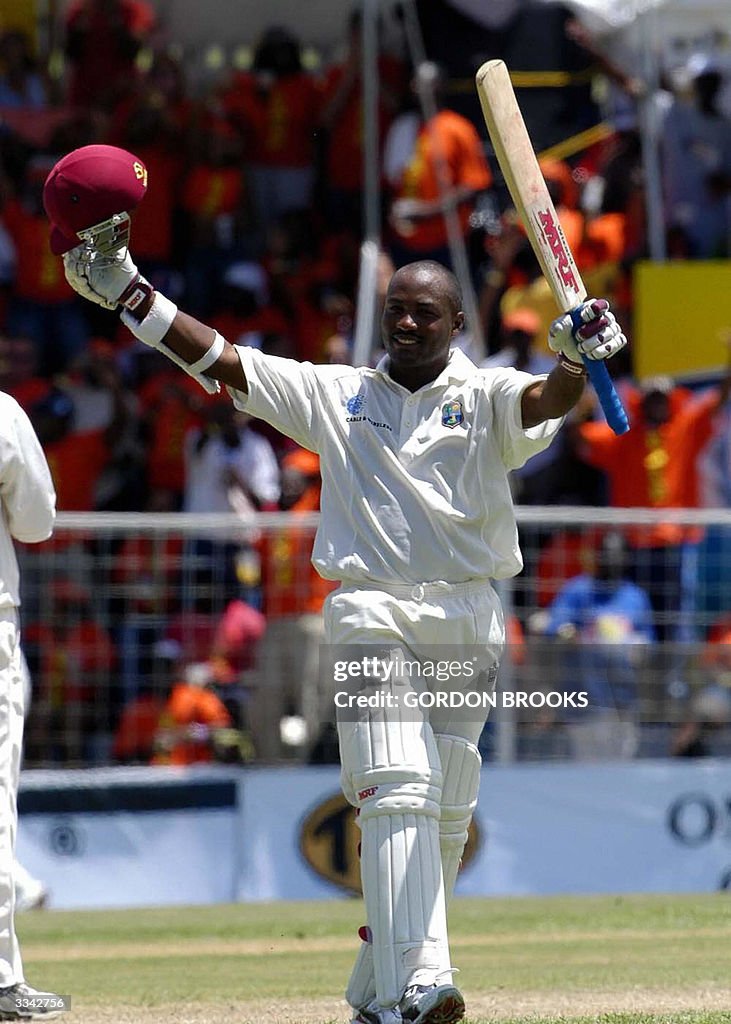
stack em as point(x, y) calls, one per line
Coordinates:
point(431, 167)
point(43, 307)
point(654, 466)
point(190, 727)
point(91, 448)
point(76, 459)
point(276, 106)
point(289, 663)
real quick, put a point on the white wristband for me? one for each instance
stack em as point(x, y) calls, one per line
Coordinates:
point(209, 357)
point(156, 324)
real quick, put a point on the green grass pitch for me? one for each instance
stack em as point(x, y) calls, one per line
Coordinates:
point(583, 960)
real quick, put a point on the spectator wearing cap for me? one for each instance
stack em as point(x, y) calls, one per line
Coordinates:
point(696, 148)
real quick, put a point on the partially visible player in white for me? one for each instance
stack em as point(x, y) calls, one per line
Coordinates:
point(416, 522)
point(30, 892)
point(28, 512)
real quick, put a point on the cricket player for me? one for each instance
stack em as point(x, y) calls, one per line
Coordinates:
point(28, 510)
point(416, 523)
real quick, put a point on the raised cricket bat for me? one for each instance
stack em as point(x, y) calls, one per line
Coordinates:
point(517, 159)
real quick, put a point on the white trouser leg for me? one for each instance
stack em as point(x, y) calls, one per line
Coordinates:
point(11, 738)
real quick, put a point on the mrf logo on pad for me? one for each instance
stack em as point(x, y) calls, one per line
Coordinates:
point(89, 195)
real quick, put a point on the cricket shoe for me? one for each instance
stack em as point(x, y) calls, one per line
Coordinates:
point(432, 1004)
point(23, 1002)
point(374, 1013)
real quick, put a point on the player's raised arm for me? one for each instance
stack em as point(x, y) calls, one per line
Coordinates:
point(89, 197)
point(114, 281)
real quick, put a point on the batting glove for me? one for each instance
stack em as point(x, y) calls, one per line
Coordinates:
point(107, 280)
point(599, 337)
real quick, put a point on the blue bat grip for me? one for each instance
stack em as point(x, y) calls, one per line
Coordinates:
point(599, 377)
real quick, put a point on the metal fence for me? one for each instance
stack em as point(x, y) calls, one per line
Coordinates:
point(177, 638)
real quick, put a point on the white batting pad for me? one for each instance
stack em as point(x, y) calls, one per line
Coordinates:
point(460, 784)
point(391, 771)
point(405, 908)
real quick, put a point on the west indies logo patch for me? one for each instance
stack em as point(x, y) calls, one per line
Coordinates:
point(452, 414)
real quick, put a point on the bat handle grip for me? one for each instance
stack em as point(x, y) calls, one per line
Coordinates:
point(602, 382)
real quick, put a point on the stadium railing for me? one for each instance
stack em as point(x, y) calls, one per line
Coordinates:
point(119, 607)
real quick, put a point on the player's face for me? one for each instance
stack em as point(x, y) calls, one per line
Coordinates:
point(418, 325)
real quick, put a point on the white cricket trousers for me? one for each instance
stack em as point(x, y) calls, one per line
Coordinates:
point(412, 770)
point(12, 701)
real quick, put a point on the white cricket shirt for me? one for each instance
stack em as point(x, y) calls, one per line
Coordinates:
point(26, 492)
point(414, 485)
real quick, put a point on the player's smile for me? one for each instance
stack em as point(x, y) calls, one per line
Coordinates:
point(404, 339)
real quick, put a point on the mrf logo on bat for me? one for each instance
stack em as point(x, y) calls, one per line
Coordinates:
point(551, 233)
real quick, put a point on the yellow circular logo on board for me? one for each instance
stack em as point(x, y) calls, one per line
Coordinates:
point(329, 839)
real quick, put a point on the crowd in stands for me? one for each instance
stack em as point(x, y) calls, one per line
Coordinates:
point(253, 221)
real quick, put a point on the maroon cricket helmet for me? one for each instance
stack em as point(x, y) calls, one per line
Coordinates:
point(87, 187)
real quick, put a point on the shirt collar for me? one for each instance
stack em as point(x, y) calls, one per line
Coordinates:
point(458, 370)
